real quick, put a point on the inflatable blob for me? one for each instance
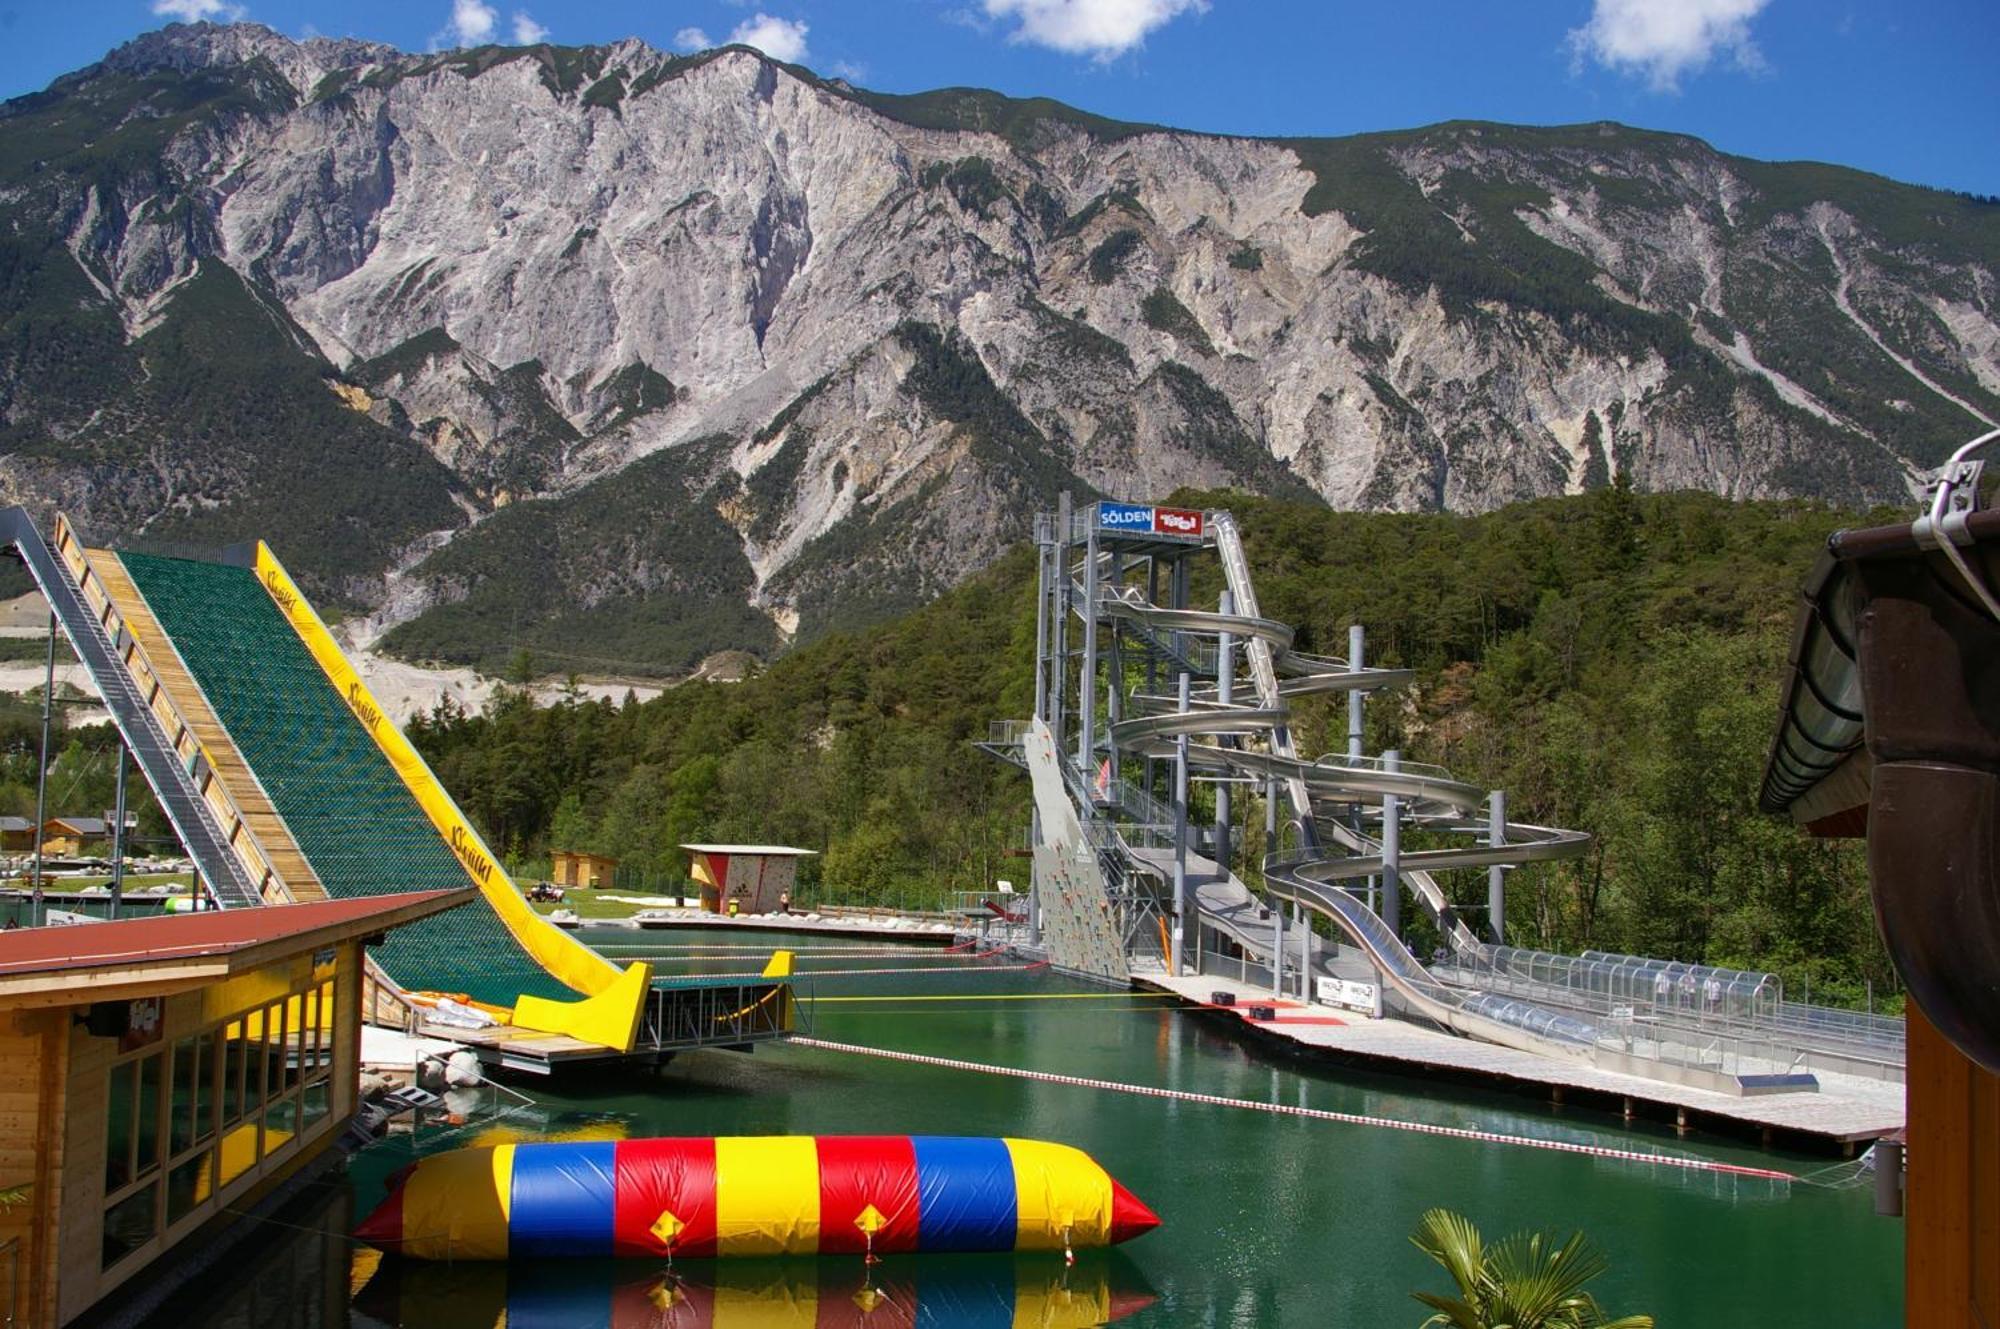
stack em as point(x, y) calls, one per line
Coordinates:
point(753, 1195)
point(976, 1292)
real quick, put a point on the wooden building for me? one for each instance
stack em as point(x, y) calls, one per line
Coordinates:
point(758, 877)
point(159, 1076)
point(1890, 730)
point(73, 837)
point(574, 868)
point(17, 835)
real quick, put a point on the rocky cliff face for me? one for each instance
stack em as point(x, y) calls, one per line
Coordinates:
point(449, 329)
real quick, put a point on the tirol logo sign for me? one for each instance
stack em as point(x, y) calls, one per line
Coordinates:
point(1124, 517)
point(280, 592)
point(1176, 521)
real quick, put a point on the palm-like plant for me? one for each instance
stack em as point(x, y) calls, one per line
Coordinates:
point(1526, 1281)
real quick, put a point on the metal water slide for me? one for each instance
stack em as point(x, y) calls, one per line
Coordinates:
point(1308, 877)
point(193, 820)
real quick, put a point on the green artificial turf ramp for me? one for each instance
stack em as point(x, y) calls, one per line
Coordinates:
point(354, 819)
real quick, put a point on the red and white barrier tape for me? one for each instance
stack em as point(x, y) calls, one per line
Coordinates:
point(1314, 1114)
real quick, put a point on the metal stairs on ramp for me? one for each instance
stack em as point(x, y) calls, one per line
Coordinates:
point(159, 762)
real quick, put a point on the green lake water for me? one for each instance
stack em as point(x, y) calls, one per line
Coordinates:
point(1266, 1220)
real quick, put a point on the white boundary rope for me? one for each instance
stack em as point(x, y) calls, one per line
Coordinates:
point(1314, 1114)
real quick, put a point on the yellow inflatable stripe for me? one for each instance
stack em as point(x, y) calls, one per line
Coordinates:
point(783, 1304)
point(767, 1195)
point(456, 1205)
point(1060, 1304)
point(1058, 1189)
point(611, 1023)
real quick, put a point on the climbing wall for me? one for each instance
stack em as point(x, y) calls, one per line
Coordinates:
point(1078, 925)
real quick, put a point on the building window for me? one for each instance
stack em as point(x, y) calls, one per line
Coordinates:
point(128, 1224)
point(184, 1122)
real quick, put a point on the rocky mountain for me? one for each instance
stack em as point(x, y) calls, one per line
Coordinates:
point(628, 357)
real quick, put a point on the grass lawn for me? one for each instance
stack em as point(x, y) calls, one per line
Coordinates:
point(592, 904)
point(180, 881)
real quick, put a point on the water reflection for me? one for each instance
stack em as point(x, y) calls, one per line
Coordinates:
point(928, 1292)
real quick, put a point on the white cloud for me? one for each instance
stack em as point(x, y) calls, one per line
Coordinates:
point(1666, 39)
point(1101, 29)
point(194, 11)
point(779, 38)
point(692, 39)
point(471, 23)
point(526, 31)
point(851, 70)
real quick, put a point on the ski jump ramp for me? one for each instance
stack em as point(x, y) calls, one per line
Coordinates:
point(287, 781)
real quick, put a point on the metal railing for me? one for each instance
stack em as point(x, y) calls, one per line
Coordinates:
point(153, 751)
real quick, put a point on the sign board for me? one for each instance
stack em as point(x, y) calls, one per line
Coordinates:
point(1133, 517)
point(1144, 519)
point(1349, 995)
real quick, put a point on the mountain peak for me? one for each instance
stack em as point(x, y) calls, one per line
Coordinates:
point(185, 47)
point(721, 353)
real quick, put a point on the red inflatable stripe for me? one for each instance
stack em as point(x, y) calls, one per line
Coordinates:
point(860, 1171)
point(657, 1178)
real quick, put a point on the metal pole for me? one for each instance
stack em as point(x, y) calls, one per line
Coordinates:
point(42, 774)
point(1086, 695)
point(1059, 609)
point(1225, 680)
point(1889, 1178)
point(1392, 851)
point(1114, 675)
point(1356, 643)
point(1277, 949)
point(1187, 926)
point(1152, 598)
point(1496, 876)
point(118, 837)
point(1042, 634)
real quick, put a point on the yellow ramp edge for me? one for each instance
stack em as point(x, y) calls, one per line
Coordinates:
point(614, 1000)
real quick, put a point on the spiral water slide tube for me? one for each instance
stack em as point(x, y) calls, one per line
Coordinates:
point(1219, 732)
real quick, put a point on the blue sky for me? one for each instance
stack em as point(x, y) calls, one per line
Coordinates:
point(1906, 89)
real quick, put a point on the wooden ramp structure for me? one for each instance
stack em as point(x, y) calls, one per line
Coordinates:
point(302, 789)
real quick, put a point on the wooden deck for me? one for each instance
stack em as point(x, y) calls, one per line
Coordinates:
point(523, 1049)
point(681, 1015)
point(915, 933)
point(1845, 1112)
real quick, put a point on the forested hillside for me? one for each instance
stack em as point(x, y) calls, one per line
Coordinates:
point(1611, 659)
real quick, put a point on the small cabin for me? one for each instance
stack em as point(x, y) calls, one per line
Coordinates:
point(17, 835)
point(165, 1074)
point(73, 837)
point(758, 877)
point(573, 868)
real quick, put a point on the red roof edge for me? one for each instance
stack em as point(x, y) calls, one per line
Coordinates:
point(133, 942)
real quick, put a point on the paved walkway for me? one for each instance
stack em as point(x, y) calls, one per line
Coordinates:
point(1846, 1109)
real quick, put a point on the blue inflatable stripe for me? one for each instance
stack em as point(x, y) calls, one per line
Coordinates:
point(954, 1298)
point(965, 1194)
point(563, 1199)
point(540, 1302)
